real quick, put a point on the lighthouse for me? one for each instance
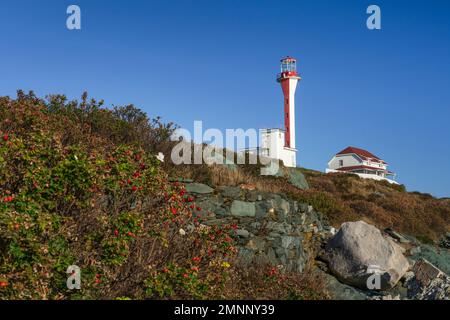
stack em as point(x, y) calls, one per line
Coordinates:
point(280, 143)
point(288, 78)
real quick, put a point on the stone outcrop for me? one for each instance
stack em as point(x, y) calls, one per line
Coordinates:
point(361, 261)
point(271, 228)
point(439, 257)
point(359, 254)
point(427, 282)
point(445, 241)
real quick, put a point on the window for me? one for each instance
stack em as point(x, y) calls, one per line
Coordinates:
point(341, 163)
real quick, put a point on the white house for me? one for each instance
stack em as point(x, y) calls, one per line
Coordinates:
point(360, 162)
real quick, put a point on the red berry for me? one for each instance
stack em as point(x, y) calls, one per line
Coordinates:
point(173, 210)
point(5, 137)
point(134, 188)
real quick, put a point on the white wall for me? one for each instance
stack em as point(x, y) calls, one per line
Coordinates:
point(292, 87)
point(365, 176)
point(349, 161)
point(274, 141)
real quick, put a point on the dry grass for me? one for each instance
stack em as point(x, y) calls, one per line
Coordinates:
point(257, 283)
point(341, 197)
point(382, 204)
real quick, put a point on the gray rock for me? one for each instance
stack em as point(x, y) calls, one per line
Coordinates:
point(385, 297)
point(182, 180)
point(288, 242)
point(245, 256)
point(256, 243)
point(199, 188)
point(297, 178)
point(439, 257)
point(341, 291)
point(230, 192)
point(253, 195)
point(274, 235)
point(428, 283)
point(282, 228)
point(272, 257)
point(262, 209)
point(303, 207)
point(243, 209)
point(445, 241)
point(215, 222)
point(242, 233)
point(359, 250)
point(397, 236)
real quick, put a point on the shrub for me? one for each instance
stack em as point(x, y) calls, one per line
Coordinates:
point(79, 184)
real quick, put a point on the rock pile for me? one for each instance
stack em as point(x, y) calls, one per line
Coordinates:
point(366, 263)
point(427, 282)
point(272, 228)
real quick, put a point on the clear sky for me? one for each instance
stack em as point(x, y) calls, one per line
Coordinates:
point(387, 91)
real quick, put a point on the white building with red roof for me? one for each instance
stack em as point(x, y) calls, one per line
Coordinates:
point(361, 162)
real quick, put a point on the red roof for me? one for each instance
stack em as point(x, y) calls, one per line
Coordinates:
point(364, 154)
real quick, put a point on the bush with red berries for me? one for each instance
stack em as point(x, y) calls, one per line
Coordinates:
point(80, 185)
point(71, 194)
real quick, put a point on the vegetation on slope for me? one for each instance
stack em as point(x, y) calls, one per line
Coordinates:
point(347, 197)
point(80, 185)
point(342, 197)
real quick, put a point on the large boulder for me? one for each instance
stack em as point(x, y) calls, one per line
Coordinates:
point(359, 255)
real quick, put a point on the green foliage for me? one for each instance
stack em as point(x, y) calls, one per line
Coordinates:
point(80, 185)
point(321, 202)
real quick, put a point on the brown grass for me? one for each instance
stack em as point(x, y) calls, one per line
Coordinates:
point(382, 204)
point(255, 283)
point(341, 197)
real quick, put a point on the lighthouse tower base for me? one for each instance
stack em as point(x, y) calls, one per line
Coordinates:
point(273, 146)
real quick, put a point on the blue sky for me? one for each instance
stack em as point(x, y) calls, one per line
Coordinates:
point(386, 90)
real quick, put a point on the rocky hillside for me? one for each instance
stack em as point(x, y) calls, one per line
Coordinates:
point(340, 197)
point(81, 185)
point(345, 197)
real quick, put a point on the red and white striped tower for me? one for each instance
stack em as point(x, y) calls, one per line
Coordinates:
point(289, 79)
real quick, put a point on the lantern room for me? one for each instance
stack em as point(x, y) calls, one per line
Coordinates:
point(288, 68)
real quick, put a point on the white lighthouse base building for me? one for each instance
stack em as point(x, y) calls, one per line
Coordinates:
point(273, 146)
